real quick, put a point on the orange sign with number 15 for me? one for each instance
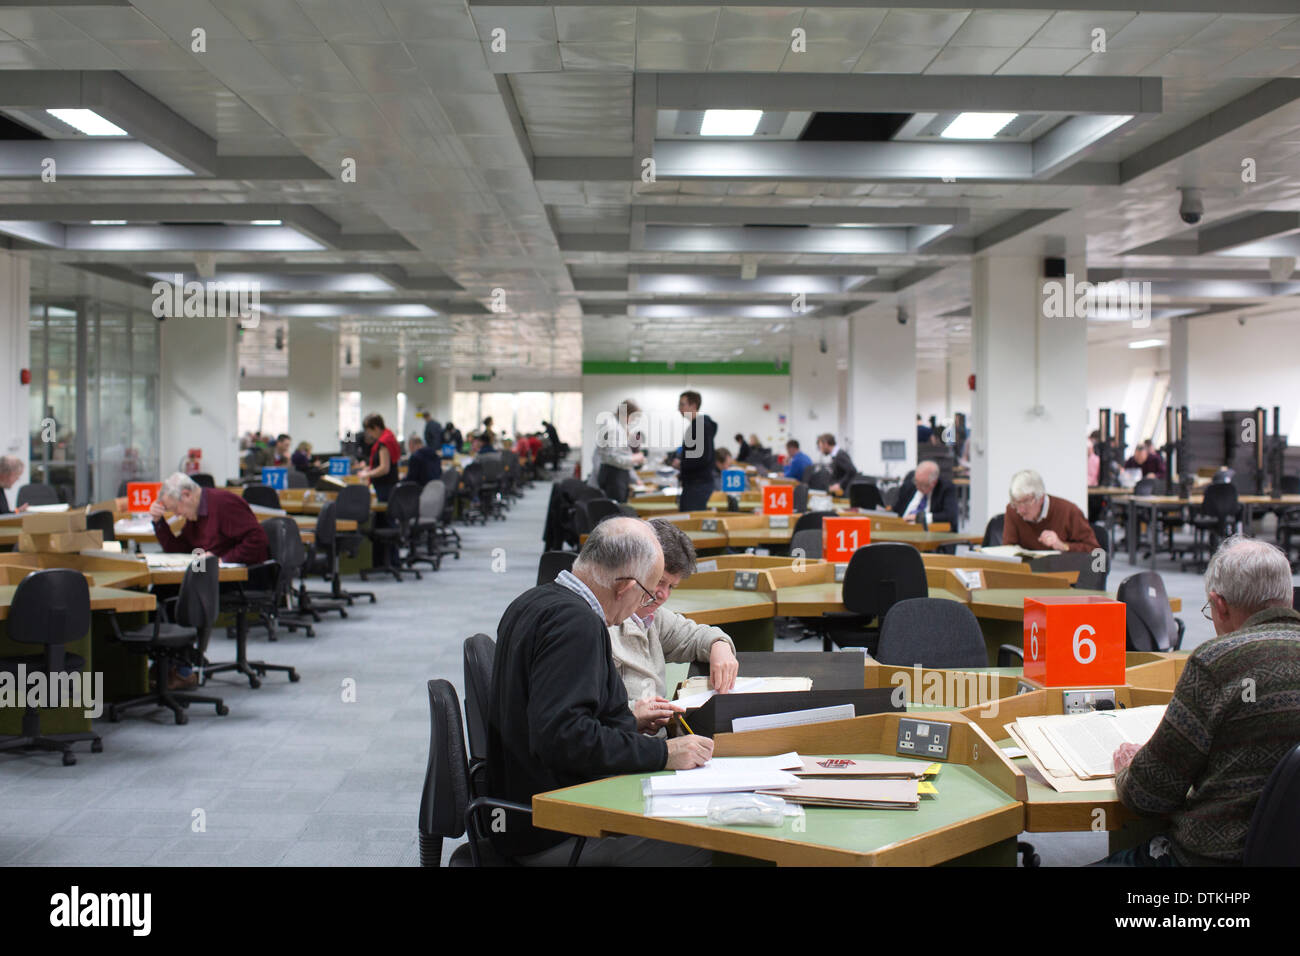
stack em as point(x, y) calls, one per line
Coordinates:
point(140, 495)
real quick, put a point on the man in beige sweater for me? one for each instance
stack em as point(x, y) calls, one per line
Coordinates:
point(654, 634)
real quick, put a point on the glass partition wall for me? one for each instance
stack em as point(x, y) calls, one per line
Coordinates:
point(94, 396)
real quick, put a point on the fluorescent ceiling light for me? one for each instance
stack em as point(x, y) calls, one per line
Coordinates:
point(88, 122)
point(1146, 344)
point(264, 222)
point(737, 351)
point(108, 222)
point(977, 125)
point(730, 122)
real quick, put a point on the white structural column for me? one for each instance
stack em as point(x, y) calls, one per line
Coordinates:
point(814, 386)
point(15, 355)
point(199, 403)
point(444, 390)
point(314, 385)
point(379, 384)
point(1031, 386)
point(1179, 386)
point(882, 390)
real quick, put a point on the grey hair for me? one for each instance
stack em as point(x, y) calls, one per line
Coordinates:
point(1249, 575)
point(10, 464)
point(929, 465)
point(618, 548)
point(171, 488)
point(679, 551)
point(1027, 484)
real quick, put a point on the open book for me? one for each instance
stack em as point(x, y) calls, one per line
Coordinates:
point(1084, 745)
point(696, 690)
point(1013, 552)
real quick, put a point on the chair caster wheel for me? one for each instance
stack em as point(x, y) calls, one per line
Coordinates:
point(310, 632)
point(68, 759)
point(182, 717)
point(222, 710)
point(294, 677)
point(342, 613)
point(97, 746)
point(373, 599)
point(254, 683)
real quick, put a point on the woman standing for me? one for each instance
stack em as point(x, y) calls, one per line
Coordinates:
point(616, 459)
point(381, 468)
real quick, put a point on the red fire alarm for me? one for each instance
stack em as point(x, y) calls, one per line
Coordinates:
point(25, 376)
point(971, 381)
point(767, 407)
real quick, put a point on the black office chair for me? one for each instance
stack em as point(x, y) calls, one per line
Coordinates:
point(799, 498)
point(391, 537)
point(1148, 622)
point(478, 653)
point(469, 494)
point(993, 531)
point(203, 480)
point(448, 809)
point(353, 504)
point(1145, 486)
point(264, 496)
point(1273, 838)
point(1215, 520)
point(451, 504)
point(878, 577)
point(101, 521)
point(37, 495)
point(809, 520)
point(1082, 561)
point(552, 563)
point(49, 608)
point(297, 479)
point(323, 558)
point(931, 632)
point(491, 499)
point(428, 540)
point(264, 600)
point(865, 494)
point(183, 640)
point(598, 509)
point(808, 541)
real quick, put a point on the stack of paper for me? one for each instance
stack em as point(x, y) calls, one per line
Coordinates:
point(1012, 551)
point(163, 559)
point(863, 794)
point(140, 525)
point(1075, 752)
point(695, 690)
point(845, 767)
point(263, 510)
point(687, 792)
point(42, 509)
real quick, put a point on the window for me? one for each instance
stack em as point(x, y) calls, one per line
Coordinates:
point(349, 413)
point(266, 412)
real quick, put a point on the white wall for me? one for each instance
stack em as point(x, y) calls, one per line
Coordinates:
point(1231, 366)
point(735, 402)
point(1121, 379)
point(882, 390)
point(814, 386)
point(197, 402)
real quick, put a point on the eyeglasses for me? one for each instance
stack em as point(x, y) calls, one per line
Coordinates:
point(1206, 612)
point(649, 595)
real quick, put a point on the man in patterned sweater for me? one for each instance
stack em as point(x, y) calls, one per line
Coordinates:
point(1234, 715)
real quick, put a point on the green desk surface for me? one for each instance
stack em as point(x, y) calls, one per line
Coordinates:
point(830, 592)
point(963, 795)
point(719, 605)
point(1015, 597)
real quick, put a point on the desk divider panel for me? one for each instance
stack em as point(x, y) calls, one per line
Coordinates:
point(1162, 675)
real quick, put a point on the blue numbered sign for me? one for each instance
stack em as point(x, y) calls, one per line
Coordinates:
point(340, 465)
point(277, 478)
point(733, 481)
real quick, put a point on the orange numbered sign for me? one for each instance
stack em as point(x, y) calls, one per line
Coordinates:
point(778, 499)
point(140, 495)
point(1074, 641)
point(841, 536)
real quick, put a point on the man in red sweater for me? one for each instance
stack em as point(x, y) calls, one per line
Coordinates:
point(216, 521)
point(1034, 521)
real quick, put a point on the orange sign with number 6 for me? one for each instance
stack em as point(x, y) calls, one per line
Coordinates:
point(1074, 641)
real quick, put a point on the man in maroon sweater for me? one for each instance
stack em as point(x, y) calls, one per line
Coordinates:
point(216, 521)
point(1035, 521)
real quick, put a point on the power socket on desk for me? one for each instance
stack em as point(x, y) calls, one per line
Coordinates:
point(1084, 701)
point(708, 524)
point(840, 569)
point(923, 738)
point(745, 581)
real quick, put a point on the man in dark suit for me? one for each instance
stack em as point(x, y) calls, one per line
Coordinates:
point(839, 463)
point(926, 492)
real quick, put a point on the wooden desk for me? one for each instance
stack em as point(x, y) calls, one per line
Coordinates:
point(979, 806)
point(306, 527)
point(108, 571)
point(1151, 506)
point(1046, 809)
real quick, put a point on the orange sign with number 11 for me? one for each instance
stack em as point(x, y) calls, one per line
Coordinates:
point(841, 536)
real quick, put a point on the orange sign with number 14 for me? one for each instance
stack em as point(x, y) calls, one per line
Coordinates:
point(778, 499)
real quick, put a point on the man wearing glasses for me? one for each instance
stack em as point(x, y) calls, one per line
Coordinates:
point(654, 634)
point(558, 714)
point(1234, 715)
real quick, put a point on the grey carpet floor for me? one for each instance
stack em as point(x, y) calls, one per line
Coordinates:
point(296, 775)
